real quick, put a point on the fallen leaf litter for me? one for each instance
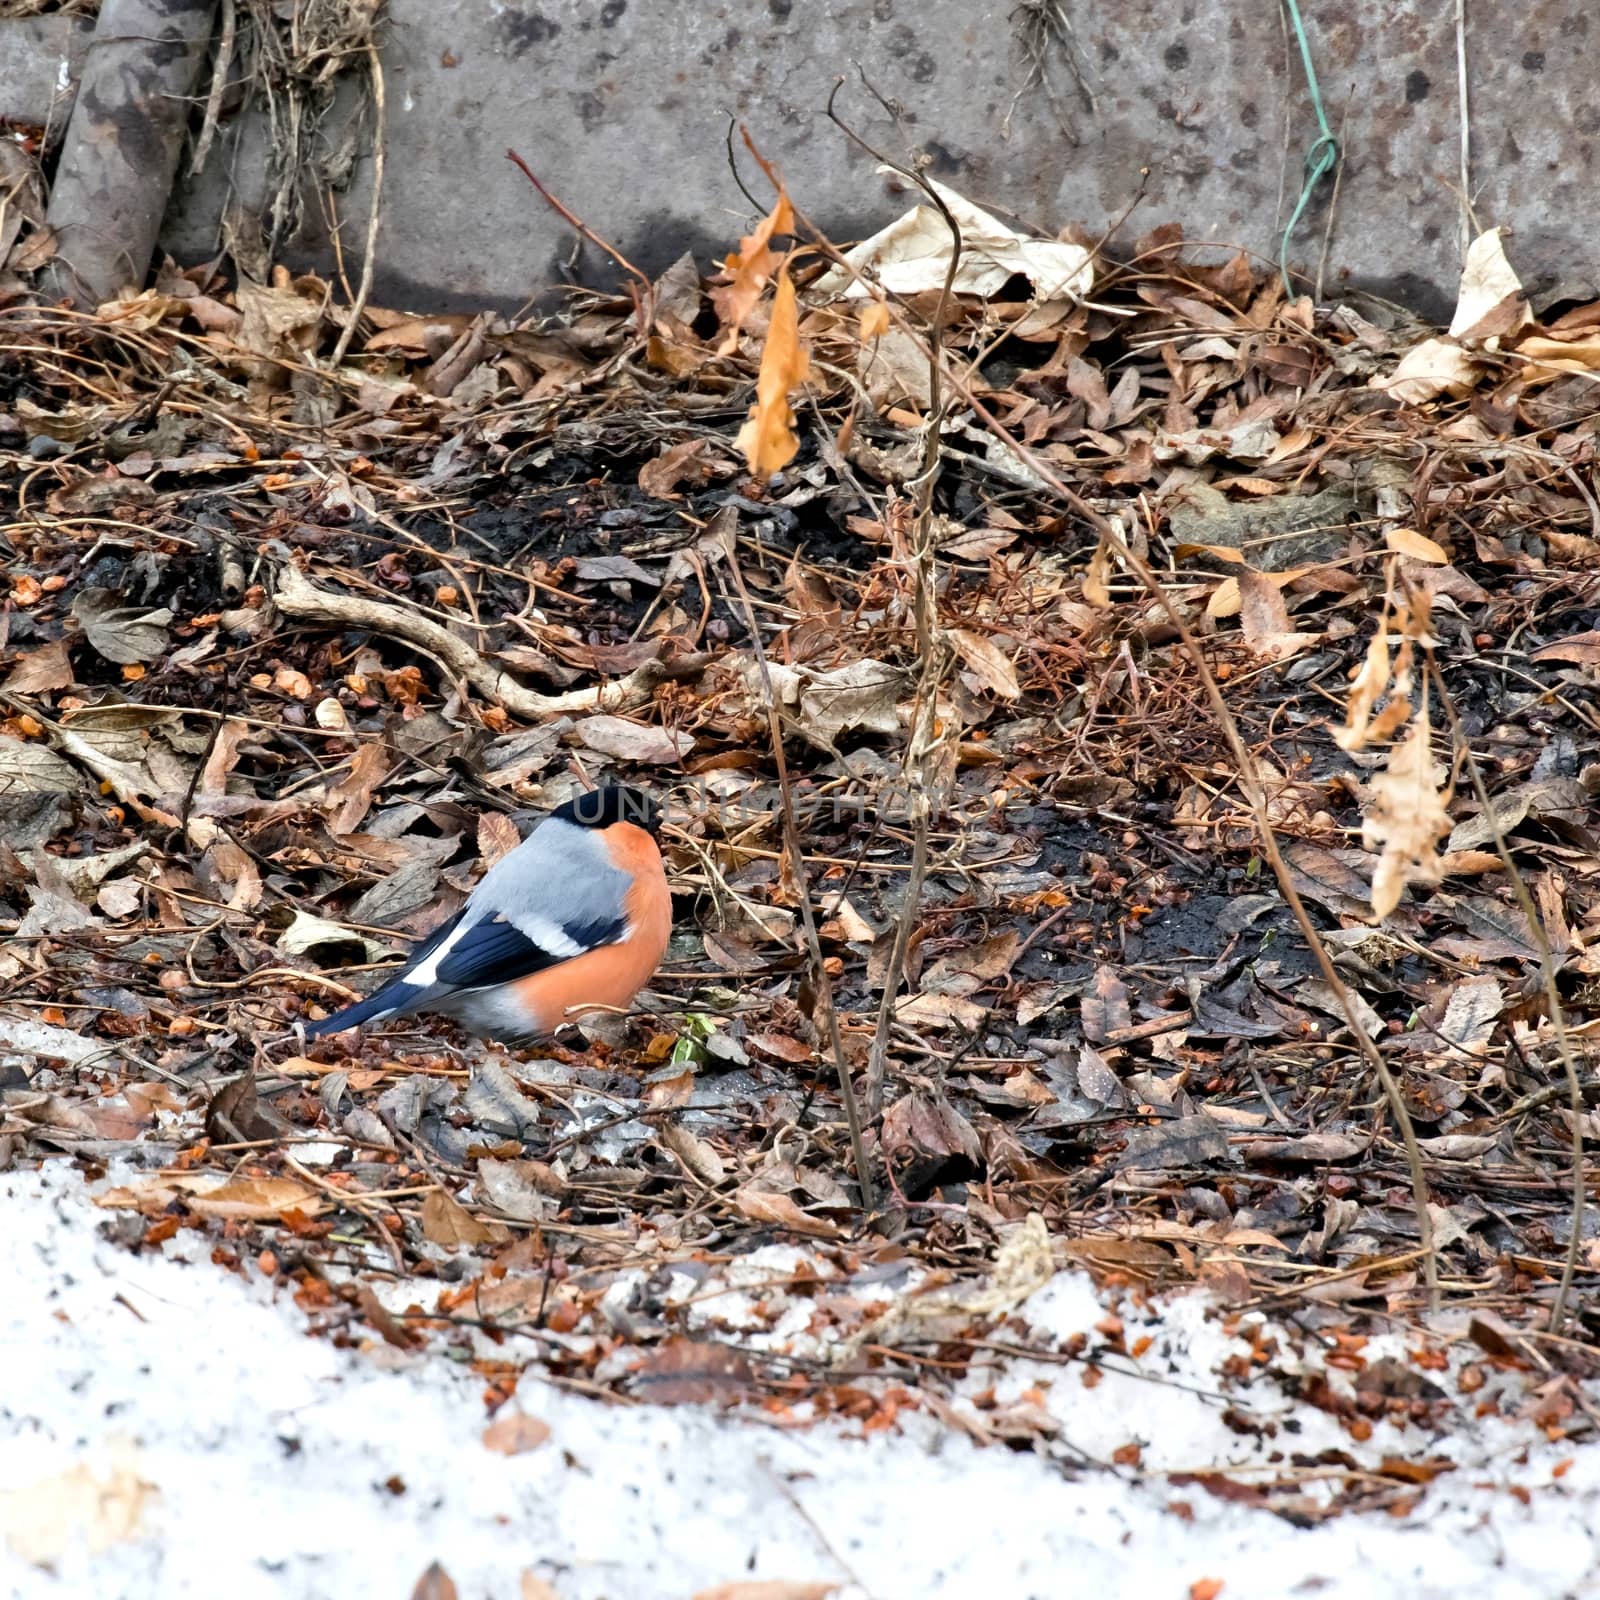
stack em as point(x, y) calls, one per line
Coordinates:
point(272, 652)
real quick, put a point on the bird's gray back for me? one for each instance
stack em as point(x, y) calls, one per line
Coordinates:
point(560, 872)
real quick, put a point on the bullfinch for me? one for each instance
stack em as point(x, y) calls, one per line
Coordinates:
point(577, 916)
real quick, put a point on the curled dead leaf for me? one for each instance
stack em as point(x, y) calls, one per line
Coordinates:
point(768, 438)
point(1407, 819)
point(764, 1205)
point(751, 269)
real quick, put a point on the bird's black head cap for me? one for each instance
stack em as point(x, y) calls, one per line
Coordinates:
point(600, 808)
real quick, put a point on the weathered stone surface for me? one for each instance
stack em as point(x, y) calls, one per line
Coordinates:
point(39, 62)
point(621, 107)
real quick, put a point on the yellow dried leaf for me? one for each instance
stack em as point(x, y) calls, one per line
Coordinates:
point(1408, 818)
point(1290, 444)
point(242, 1199)
point(1096, 580)
point(1554, 356)
point(1224, 601)
point(84, 1507)
point(752, 269)
point(768, 438)
point(874, 320)
point(1364, 691)
point(1418, 546)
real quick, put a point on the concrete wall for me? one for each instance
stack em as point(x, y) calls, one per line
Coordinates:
point(621, 107)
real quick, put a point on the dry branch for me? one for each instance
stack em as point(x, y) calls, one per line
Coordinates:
point(296, 596)
point(797, 865)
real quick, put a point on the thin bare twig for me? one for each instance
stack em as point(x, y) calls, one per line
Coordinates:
point(1547, 973)
point(643, 289)
point(725, 522)
point(922, 748)
point(374, 216)
point(219, 86)
point(1469, 223)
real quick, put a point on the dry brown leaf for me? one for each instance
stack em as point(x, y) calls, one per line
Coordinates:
point(1471, 1016)
point(684, 461)
point(633, 741)
point(127, 635)
point(929, 1127)
point(913, 255)
point(987, 662)
point(280, 320)
point(120, 898)
point(1469, 863)
point(497, 836)
point(874, 321)
point(515, 1434)
point(1097, 579)
point(49, 667)
point(232, 872)
point(1264, 618)
point(1106, 1008)
point(1556, 356)
point(422, 336)
point(223, 758)
point(521, 1189)
point(1408, 819)
point(695, 1153)
point(763, 1205)
point(1418, 546)
point(82, 1507)
point(965, 970)
point(448, 1223)
point(692, 1372)
point(1490, 301)
point(941, 1011)
point(1365, 690)
point(1432, 368)
point(350, 799)
point(435, 1584)
point(768, 439)
point(39, 247)
point(752, 268)
point(242, 1199)
point(1581, 648)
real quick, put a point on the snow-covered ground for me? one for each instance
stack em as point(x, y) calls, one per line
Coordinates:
point(166, 1430)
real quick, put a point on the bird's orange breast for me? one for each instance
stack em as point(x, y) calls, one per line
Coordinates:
point(612, 975)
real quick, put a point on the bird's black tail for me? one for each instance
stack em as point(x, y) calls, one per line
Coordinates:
point(385, 1002)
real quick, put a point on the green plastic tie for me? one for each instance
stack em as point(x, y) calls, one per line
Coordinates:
point(1321, 158)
